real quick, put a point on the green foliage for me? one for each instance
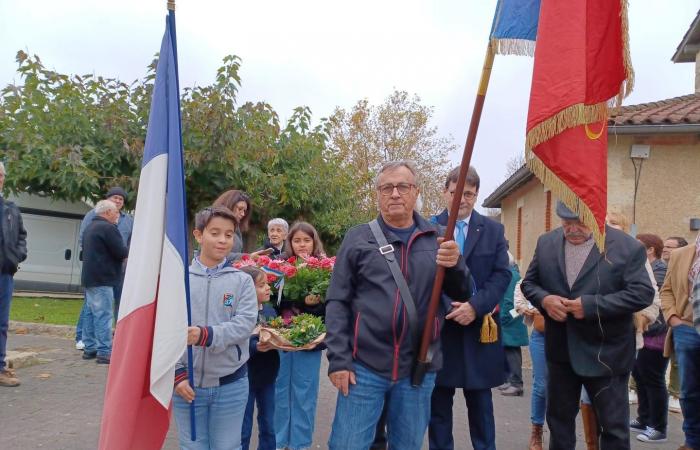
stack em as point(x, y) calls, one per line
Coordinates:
point(368, 135)
point(72, 137)
point(303, 329)
point(307, 281)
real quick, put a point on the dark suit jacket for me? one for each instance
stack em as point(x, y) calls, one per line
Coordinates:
point(612, 287)
point(467, 363)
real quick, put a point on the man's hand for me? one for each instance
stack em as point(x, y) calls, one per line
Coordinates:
point(448, 253)
point(193, 335)
point(555, 307)
point(184, 390)
point(674, 321)
point(574, 307)
point(529, 312)
point(342, 380)
point(264, 346)
point(462, 313)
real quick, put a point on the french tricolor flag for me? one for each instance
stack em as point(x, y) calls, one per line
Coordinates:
point(151, 332)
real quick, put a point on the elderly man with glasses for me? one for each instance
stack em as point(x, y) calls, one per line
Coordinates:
point(374, 329)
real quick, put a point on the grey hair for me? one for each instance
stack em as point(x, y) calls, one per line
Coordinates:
point(278, 221)
point(2, 168)
point(104, 206)
point(393, 165)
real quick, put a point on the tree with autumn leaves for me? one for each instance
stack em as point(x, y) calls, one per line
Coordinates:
point(71, 137)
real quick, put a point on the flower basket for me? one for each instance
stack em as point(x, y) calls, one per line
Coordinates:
point(302, 332)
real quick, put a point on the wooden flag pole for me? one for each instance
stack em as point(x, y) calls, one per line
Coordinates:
point(423, 359)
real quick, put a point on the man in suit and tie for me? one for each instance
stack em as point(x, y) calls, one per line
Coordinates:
point(588, 299)
point(469, 364)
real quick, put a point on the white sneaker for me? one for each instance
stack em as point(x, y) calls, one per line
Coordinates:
point(633, 397)
point(79, 345)
point(674, 404)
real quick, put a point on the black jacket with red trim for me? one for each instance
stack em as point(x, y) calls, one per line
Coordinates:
point(365, 316)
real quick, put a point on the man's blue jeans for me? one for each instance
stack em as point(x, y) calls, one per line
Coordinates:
point(296, 394)
point(686, 343)
point(97, 324)
point(356, 415)
point(538, 406)
point(264, 396)
point(6, 285)
point(81, 321)
point(218, 415)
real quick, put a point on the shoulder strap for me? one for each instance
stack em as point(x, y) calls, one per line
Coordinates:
point(387, 250)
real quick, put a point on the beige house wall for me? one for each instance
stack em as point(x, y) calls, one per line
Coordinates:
point(668, 194)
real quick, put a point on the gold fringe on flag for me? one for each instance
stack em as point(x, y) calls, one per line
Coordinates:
point(566, 195)
point(520, 47)
point(628, 84)
point(570, 117)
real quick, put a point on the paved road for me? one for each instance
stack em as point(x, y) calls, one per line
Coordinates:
point(59, 403)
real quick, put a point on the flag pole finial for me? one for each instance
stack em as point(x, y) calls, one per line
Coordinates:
point(171, 5)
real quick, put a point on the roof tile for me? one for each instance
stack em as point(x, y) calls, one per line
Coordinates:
point(673, 111)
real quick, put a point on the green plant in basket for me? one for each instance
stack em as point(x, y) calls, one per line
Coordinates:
point(304, 329)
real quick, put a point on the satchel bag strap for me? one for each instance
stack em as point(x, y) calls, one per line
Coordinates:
point(387, 250)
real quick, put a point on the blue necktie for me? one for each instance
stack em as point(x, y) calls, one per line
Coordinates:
point(460, 237)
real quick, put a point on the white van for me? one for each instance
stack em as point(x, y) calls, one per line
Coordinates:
point(53, 263)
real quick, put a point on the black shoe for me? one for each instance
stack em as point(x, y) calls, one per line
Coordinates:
point(102, 360)
point(87, 355)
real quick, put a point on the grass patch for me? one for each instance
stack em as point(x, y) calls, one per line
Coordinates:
point(58, 311)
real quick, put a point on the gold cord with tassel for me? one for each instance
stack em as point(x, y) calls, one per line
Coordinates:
point(489, 330)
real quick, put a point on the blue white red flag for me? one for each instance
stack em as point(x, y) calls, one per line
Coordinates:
point(151, 332)
point(514, 27)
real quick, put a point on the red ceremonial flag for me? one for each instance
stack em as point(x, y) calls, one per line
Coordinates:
point(582, 66)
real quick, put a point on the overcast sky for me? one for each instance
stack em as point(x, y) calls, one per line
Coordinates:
point(324, 54)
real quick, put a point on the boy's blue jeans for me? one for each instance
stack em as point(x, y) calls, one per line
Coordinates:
point(264, 396)
point(356, 415)
point(218, 413)
point(538, 406)
point(6, 285)
point(686, 345)
point(97, 324)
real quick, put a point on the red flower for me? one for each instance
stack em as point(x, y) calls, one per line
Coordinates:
point(245, 257)
point(289, 271)
point(271, 278)
point(275, 264)
point(312, 261)
point(263, 260)
point(292, 260)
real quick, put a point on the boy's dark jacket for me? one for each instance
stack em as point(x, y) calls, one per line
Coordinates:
point(262, 366)
point(103, 253)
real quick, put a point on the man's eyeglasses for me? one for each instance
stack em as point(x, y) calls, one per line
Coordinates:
point(467, 195)
point(388, 189)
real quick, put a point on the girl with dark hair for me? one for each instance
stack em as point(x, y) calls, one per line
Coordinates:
point(297, 383)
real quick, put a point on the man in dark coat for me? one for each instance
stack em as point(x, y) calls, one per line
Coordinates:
point(588, 300)
point(103, 253)
point(13, 250)
point(469, 364)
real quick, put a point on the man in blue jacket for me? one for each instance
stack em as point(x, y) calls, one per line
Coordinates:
point(469, 364)
point(371, 348)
